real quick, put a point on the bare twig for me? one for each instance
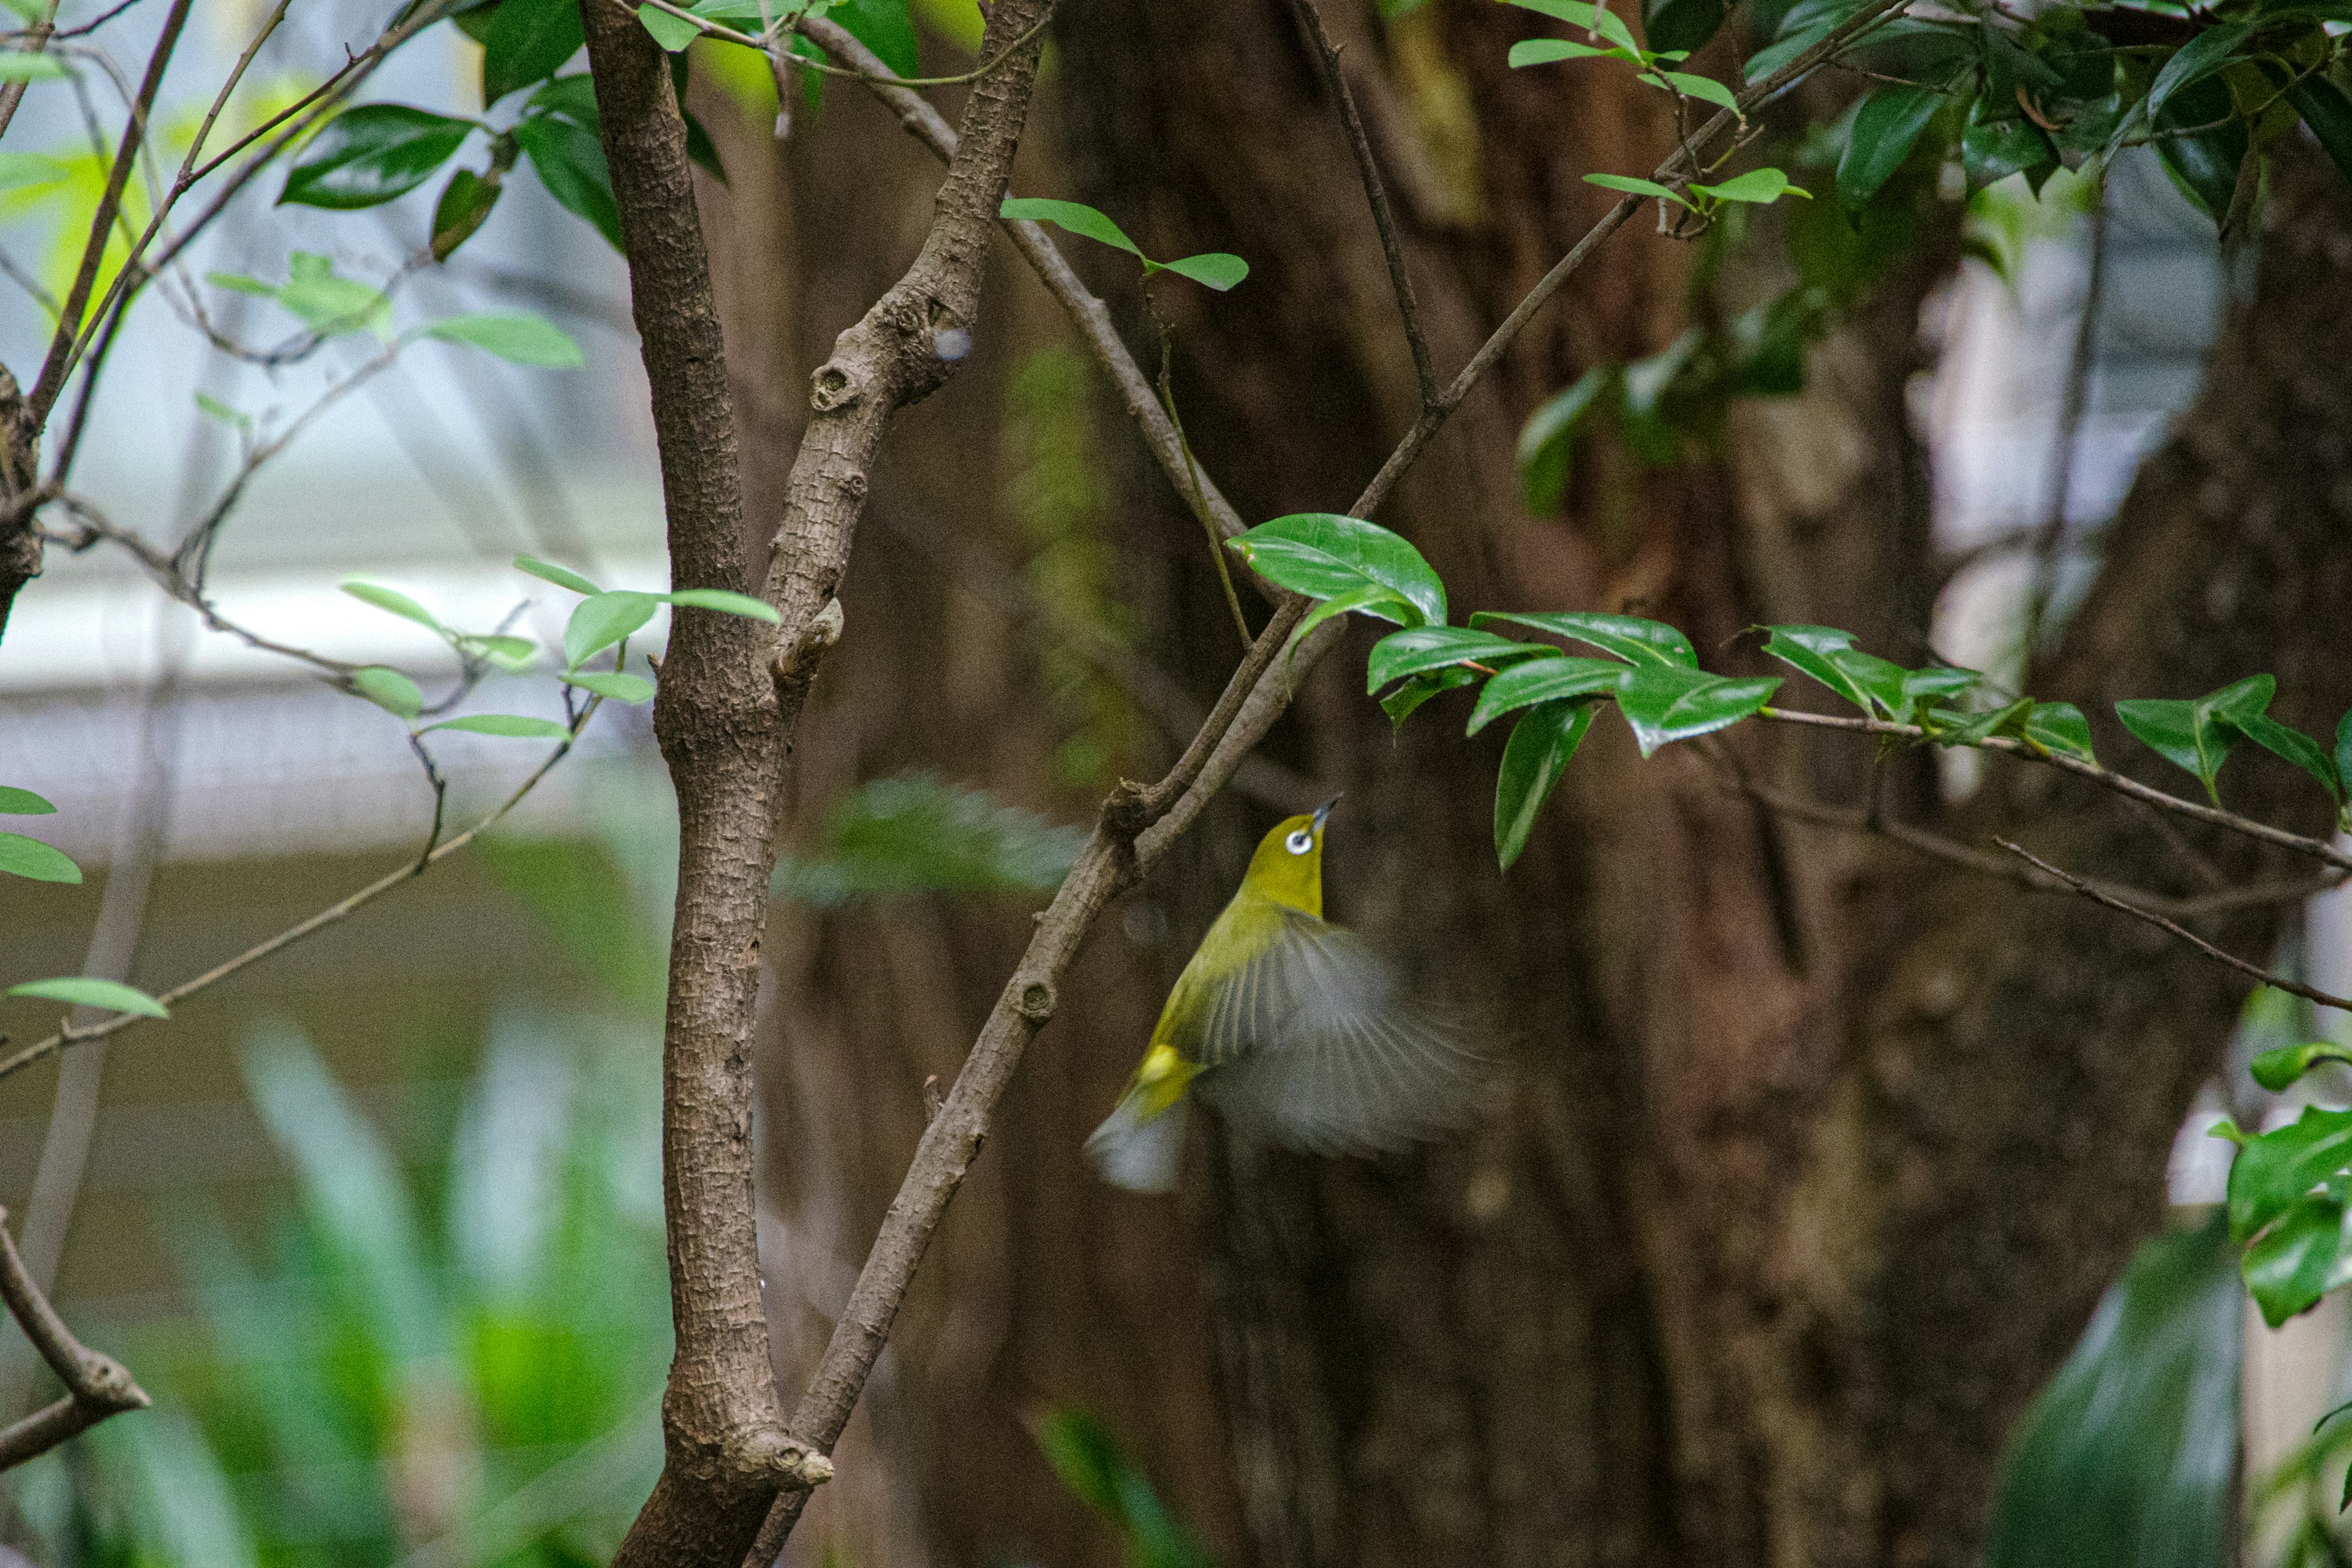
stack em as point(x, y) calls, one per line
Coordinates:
point(2066, 442)
point(187, 175)
point(1327, 58)
point(36, 38)
point(97, 1386)
point(2172, 928)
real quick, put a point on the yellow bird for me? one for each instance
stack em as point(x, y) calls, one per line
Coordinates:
point(1294, 1029)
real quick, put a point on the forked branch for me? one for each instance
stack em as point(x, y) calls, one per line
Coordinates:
point(97, 1386)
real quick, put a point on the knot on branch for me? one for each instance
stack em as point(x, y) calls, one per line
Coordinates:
point(107, 1383)
point(1128, 810)
point(1036, 1002)
point(790, 1462)
point(830, 387)
point(795, 664)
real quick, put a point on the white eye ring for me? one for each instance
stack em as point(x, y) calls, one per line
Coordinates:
point(1299, 842)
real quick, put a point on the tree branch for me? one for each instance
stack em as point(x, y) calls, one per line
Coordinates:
point(2293, 987)
point(1327, 59)
point(37, 37)
point(97, 1386)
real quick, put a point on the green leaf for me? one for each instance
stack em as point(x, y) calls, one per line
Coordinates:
point(2277, 1069)
point(36, 861)
point(21, 66)
point(1551, 51)
point(529, 42)
point(242, 284)
point(724, 603)
point(327, 305)
point(1075, 216)
point(1324, 554)
point(1631, 639)
point(2204, 165)
point(84, 992)
point(571, 164)
point(1756, 185)
point(2299, 1260)
point(1706, 88)
point(389, 599)
point(1975, 729)
point(620, 687)
point(602, 619)
point(1550, 436)
point(673, 32)
point(1590, 17)
point(917, 833)
point(1091, 1465)
point(1214, 268)
point(2060, 727)
point(14, 802)
point(885, 27)
point(1372, 599)
point(1809, 650)
point(1664, 703)
point(2344, 748)
point(514, 336)
point(514, 726)
point(2273, 1171)
point(2293, 744)
point(1683, 25)
point(2195, 60)
point(2325, 108)
point(1993, 150)
point(1923, 688)
point(2197, 735)
point(2127, 1458)
point(371, 154)
point(1399, 704)
point(1885, 128)
point(214, 408)
point(1633, 187)
point(561, 576)
point(1545, 681)
point(512, 653)
point(1533, 759)
point(1419, 649)
point(388, 690)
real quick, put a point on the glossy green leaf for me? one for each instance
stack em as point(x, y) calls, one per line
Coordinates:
point(81, 990)
point(2299, 1259)
point(2200, 58)
point(1634, 187)
point(1808, 650)
point(1075, 216)
point(1631, 639)
point(570, 163)
point(1093, 1467)
point(1419, 649)
point(671, 31)
point(514, 726)
point(1664, 703)
point(2198, 735)
point(1685, 24)
point(1551, 51)
point(724, 603)
point(1706, 88)
point(1549, 436)
point(1370, 599)
point(1885, 128)
point(2277, 1069)
point(2274, 1171)
point(1882, 678)
point(2329, 113)
point(2294, 746)
point(464, 205)
point(1533, 760)
point(388, 690)
point(371, 154)
point(1921, 688)
point(514, 336)
point(561, 576)
point(609, 683)
point(1993, 150)
point(2127, 1458)
point(1214, 268)
point(14, 802)
point(1590, 18)
point(2203, 164)
point(1416, 690)
point(2060, 727)
point(529, 42)
point(1324, 554)
point(391, 600)
point(1545, 681)
point(36, 861)
point(1975, 729)
point(602, 619)
point(1756, 185)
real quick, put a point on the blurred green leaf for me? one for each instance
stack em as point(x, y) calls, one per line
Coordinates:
point(2298, 1257)
point(31, 858)
point(570, 161)
point(1216, 270)
point(2060, 727)
point(2277, 1068)
point(2200, 58)
point(1545, 681)
point(529, 41)
point(388, 690)
point(1547, 441)
point(1631, 639)
point(506, 652)
point(1681, 24)
point(885, 27)
point(1325, 554)
point(16, 801)
point(1534, 758)
point(514, 726)
point(2126, 1458)
point(391, 600)
point(608, 683)
point(1075, 216)
point(1885, 128)
point(561, 576)
point(1633, 185)
point(2197, 735)
point(17, 65)
point(371, 154)
point(1091, 1464)
point(464, 205)
point(514, 336)
point(672, 32)
point(83, 992)
point(1664, 703)
point(724, 603)
point(916, 833)
point(602, 619)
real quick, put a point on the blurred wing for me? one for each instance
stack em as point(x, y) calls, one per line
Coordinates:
point(1137, 1150)
point(1315, 1048)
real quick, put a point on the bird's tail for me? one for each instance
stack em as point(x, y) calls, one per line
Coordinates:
point(1137, 1147)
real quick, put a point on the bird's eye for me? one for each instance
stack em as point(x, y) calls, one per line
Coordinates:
point(1299, 842)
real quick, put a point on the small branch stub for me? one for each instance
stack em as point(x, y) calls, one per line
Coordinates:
point(1038, 1002)
point(797, 664)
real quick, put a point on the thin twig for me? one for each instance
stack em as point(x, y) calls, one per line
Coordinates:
point(97, 1386)
point(37, 37)
point(2310, 849)
point(1327, 56)
point(2067, 441)
point(187, 175)
point(409, 871)
point(2279, 981)
point(777, 51)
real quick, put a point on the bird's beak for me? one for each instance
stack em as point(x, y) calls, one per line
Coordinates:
point(1323, 811)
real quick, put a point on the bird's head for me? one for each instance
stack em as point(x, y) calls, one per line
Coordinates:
point(1289, 865)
